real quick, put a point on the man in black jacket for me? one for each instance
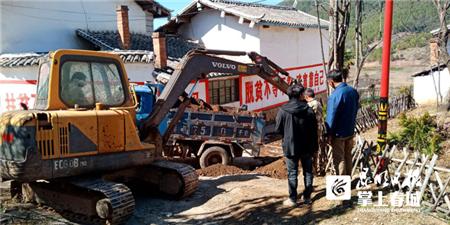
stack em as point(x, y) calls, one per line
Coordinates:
point(296, 122)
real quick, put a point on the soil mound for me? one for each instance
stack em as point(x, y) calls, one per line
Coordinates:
point(276, 169)
point(219, 170)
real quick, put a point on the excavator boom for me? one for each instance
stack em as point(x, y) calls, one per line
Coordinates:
point(196, 65)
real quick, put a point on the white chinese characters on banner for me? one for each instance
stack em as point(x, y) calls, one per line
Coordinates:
point(258, 94)
point(199, 91)
point(12, 94)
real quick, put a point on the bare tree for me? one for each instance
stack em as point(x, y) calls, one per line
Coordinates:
point(339, 24)
point(358, 41)
point(320, 35)
point(442, 7)
point(360, 56)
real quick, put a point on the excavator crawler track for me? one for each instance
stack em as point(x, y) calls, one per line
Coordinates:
point(187, 177)
point(86, 201)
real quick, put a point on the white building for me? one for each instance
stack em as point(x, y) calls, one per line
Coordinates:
point(40, 26)
point(30, 29)
point(431, 86)
point(285, 35)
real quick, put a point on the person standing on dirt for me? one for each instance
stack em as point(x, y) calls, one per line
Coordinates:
point(340, 122)
point(297, 124)
point(319, 158)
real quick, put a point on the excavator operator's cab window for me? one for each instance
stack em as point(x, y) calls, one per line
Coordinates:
point(107, 84)
point(42, 87)
point(76, 84)
point(87, 83)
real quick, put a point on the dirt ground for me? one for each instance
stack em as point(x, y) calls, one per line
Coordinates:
point(236, 199)
point(231, 195)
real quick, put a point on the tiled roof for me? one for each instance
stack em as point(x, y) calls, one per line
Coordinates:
point(32, 59)
point(153, 7)
point(436, 31)
point(109, 40)
point(16, 60)
point(427, 72)
point(258, 13)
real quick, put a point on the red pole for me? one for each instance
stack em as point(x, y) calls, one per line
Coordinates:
point(383, 110)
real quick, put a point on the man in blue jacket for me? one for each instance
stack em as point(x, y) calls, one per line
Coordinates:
point(296, 122)
point(340, 123)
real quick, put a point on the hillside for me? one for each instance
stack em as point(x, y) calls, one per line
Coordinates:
point(413, 16)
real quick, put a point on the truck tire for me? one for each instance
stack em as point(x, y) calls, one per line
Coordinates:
point(214, 155)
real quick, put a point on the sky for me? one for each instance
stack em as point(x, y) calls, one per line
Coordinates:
point(177, 5)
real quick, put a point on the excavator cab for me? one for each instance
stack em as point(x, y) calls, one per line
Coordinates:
point(84, 111)
point(76, 79)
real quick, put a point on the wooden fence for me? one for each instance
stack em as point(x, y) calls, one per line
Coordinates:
point(367, 116)
point(430, 181)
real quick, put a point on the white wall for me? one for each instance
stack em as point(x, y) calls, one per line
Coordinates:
point(19, 73)
point(16, 86)
point(140, 72)
point(17, 83)
point(225, 33)
point(290, 47)
point(425, 87)
point(41, 26)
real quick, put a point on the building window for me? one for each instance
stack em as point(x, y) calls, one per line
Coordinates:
point(223, 91)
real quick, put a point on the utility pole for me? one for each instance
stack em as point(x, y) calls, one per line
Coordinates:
point(383, 110)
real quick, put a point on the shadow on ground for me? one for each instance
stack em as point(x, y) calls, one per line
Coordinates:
point(260, 210)
point(269, 210)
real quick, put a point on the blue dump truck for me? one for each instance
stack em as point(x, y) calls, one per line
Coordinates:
point(211, 137)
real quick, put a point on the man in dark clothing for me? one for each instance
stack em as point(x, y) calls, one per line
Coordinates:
point(342, 108)
point(296, 122)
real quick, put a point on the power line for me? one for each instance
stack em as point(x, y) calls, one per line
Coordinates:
point(86, 20)
point(65, 20)
point(107, 14)
point(56, 10)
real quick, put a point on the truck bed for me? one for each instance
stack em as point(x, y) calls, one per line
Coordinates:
point(220, 126)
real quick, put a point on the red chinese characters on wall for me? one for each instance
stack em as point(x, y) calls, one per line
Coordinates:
point(249, 98)
point(258, 91)
point(259, 94)
point(11, 101)
point(313, 79)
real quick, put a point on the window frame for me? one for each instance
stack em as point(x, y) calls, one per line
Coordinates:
point(37, 102)
point(220, 85)
point(90, 60)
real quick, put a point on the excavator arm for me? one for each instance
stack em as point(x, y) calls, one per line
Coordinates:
point(197, 64)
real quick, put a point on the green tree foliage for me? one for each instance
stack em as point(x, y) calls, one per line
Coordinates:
point(414, 16)
point(419, 133)
point(411, 41)
point(409, 16)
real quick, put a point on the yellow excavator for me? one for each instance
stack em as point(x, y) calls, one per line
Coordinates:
point(80, 146)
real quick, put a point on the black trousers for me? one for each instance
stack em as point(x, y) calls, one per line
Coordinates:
point(292, 169)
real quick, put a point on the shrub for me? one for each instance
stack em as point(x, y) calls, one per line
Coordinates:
point(414, 40)
point(405, 90)
point(419, 133)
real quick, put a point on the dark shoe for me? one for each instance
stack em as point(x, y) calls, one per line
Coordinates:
point(307, 201)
